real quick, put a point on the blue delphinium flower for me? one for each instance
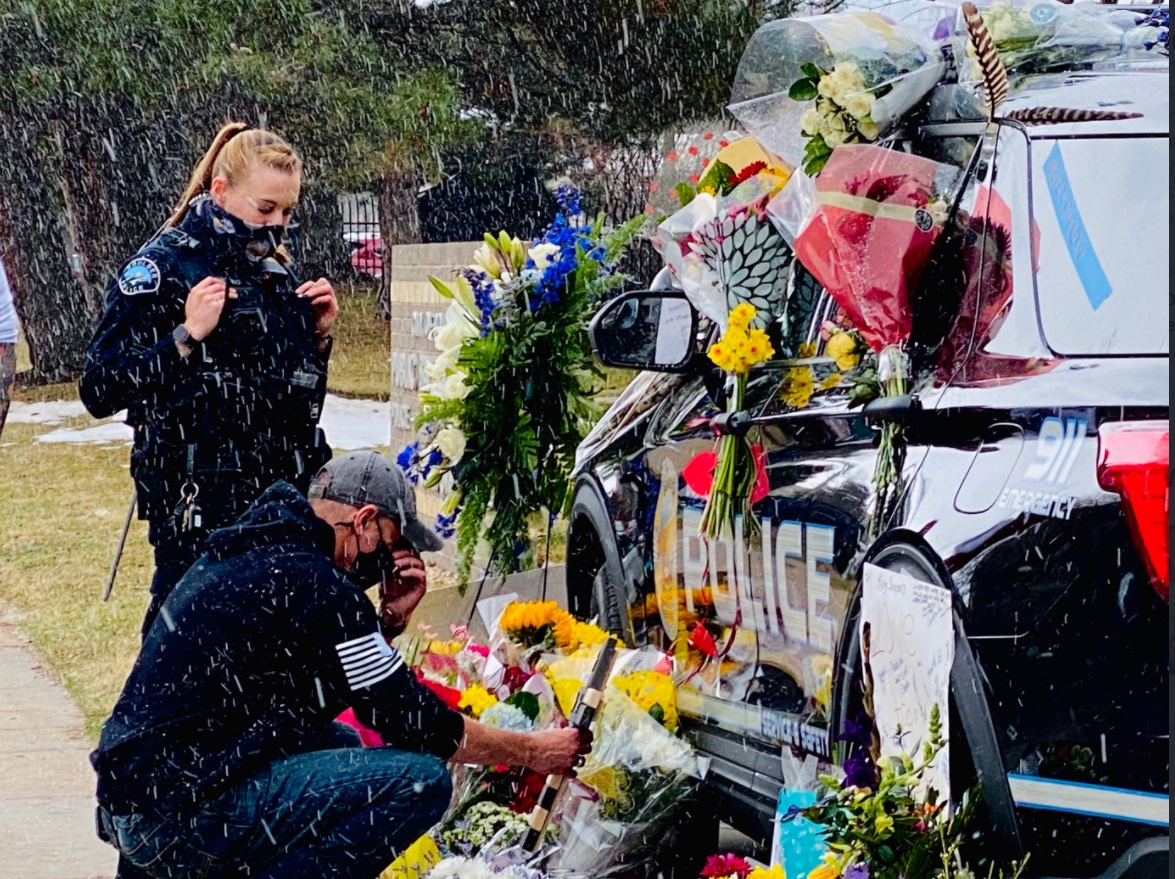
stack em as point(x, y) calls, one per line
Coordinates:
point(407, 461)
point(569, 198)
point(446, 526)
point(483, 296)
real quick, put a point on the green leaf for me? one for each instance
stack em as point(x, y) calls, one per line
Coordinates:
point(719, 175)
point(685, 193)
point(441, 286)
point(527, 703)
point(803, 90)
point(812, 71)
point(657, 713)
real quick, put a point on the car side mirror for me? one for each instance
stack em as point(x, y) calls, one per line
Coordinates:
point(654, 330)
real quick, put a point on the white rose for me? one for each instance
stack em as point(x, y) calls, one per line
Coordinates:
point(827, 86)
point(454, 387)
point(451, 442)
point(543, 255)
point(867, 128)
point(859, 105)
point(810, 122)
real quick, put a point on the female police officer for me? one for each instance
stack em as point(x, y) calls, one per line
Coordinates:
point(216, 351)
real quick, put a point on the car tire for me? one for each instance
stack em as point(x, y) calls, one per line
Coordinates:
point(595, 582)
point(995, 827)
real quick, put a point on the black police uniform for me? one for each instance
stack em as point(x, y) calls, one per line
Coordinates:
point(215, 429)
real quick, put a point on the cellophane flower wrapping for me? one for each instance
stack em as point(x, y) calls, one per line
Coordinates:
point(1048, 35)
point(898, 64)
point(876, 216)
point(626, 793)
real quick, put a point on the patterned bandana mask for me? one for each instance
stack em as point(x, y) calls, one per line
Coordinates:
point(258, 241)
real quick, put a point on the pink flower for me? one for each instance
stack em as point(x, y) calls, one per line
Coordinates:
point(672, 156)
point(718, 866)
point(654, 186)
point(479, 649)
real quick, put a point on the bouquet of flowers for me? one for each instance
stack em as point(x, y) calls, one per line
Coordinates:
point(732, 263)
point(1047, 35)
point(511, 391)
point(877, 824)
point(524, 677)
point(867, 236)
point(804, 86)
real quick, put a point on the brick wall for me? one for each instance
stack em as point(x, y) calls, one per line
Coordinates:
point(416, 309)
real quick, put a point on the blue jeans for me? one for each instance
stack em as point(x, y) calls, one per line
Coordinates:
point(332, 810)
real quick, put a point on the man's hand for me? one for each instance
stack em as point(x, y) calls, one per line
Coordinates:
point(203, 306)
point(400, 595)
point(558, 751)
point(323, 301)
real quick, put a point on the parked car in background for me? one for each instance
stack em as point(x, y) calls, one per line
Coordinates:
point(1036, 486)
point(366, 253)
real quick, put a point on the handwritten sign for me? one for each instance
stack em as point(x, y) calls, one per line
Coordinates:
point(912, 648)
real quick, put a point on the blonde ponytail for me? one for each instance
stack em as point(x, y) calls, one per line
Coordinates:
point(235, 147)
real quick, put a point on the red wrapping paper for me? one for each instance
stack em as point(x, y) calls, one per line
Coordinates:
point(871, 235)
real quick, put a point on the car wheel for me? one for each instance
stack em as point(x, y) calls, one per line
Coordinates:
point(973, 740)
point(595, 584)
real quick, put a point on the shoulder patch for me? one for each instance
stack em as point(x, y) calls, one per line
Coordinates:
point(141, 275)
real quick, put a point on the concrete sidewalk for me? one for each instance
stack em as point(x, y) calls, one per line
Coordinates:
point(46, 783)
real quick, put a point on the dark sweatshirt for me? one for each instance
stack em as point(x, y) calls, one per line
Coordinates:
point(263, 641)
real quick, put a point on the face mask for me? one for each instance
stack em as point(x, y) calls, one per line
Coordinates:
point(372, 568)
point(258, 241)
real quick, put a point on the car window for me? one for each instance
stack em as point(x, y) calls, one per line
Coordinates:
point(1102, 277)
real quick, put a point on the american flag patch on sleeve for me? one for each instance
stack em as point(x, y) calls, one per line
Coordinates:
point(368, 660)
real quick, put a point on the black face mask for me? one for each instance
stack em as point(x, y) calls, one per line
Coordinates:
point(258, 242)
point(372, 568)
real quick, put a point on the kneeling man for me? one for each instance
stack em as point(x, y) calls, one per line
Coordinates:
point(222, 758)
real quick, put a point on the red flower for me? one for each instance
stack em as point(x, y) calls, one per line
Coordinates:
point(707, 136)
point(694, 178)
point(654, 186)
point(724, 143)
point(705, 163)
point(693, 151)
point(701, 638)
point(748, 172)
point(527, 790)
point(672, 156)
point(515, 677)
point(726, 865)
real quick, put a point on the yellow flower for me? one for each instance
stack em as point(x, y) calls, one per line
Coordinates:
point(587, 635)
point(477, 699)
point(842, 348)
point(648, 689)
point(741, 316)
point(445, 648)
point(798, 387)
point(831, 382)
point(532, 622)
point(720, 355)
point(824, 871)
point(806, 350)
point(883, 823)
point(775, 872)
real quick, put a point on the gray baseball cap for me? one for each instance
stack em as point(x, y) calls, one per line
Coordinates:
point(360, 478)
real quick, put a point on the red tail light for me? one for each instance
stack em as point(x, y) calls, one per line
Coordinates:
point(1133, 461)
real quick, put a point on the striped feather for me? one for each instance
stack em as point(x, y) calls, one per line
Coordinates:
point(1057, 115)
point(995, 77)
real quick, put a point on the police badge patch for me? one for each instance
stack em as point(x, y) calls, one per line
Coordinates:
point(141, 275)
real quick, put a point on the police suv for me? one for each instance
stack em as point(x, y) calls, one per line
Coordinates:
point(1035, 490)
